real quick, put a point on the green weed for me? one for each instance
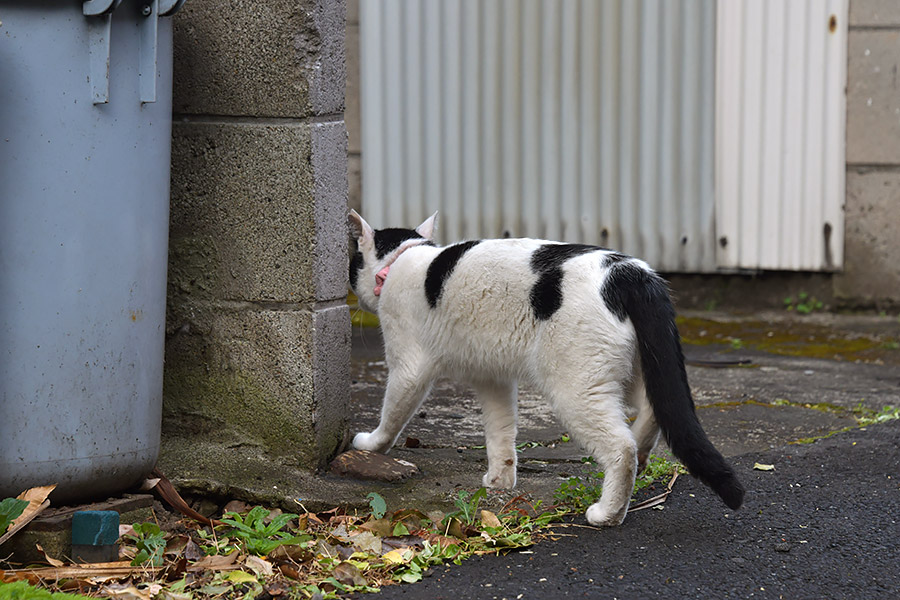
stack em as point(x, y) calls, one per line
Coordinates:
point(803, 303)
point(10, 509)
point(150, 541)
point(22, 590)
point(577, 493)
point(259, 537)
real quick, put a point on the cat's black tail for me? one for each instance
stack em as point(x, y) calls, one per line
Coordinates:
point(633, 292)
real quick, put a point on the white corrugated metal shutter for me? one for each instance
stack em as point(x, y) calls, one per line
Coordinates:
point(581, 120)
point(596, 121)
point(780, 171)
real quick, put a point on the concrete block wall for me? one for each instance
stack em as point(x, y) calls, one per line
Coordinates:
point(354, 149)
point(871, 275)
point(257, 350)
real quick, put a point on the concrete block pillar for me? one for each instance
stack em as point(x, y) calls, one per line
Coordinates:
point(871, 275)
point(257, 346)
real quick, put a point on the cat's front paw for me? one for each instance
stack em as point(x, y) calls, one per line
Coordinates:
point(367, 441)
point(505, 480)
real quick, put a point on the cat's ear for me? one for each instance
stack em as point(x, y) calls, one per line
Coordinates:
point(359, 229)
point(426, 229)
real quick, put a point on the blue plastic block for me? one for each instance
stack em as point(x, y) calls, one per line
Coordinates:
point(95, 527)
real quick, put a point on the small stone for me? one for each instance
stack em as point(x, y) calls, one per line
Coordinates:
point(782, 547)
point(372, 466)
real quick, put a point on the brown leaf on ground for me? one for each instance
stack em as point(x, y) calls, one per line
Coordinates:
point(366, 541)
point(489, 519)
point(402, 542)
point(167, 492)
point(290, 571)
point(53, 562)
point(37, 502)
point(348, 574)
point(436, 538)
point(277, 588)
point(216, 562)
point(258, 565)
point(117, 569)
point(292, 552)
point(381, 527)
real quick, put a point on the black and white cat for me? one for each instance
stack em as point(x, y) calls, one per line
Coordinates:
point(592, 329)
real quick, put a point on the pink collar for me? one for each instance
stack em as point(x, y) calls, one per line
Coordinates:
point(381, 276)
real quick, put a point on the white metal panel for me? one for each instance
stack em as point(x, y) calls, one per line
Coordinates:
point(584, 120)
point(781, 74)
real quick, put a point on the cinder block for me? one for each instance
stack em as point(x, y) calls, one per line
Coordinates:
point(240, 375)
point(352, 112)
point(873, 102)
point(874, 13)
point(331, 376)
point(871, 275)
point(258, 213)
point(329, 166)
point(278, 58)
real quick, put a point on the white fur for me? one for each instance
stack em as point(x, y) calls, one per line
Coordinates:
point(483, 330)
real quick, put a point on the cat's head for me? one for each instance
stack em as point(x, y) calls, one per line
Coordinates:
point(375, 251)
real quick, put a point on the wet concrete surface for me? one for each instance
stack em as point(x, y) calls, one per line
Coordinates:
point(833, 501)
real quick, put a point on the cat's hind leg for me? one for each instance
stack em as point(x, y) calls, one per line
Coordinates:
point(644, 428)
point(500, 415)
point(596, 418)
point(406, 389)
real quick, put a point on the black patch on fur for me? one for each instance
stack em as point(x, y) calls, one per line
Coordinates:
point(613, 258)
point(441, 268)
point(634, 293)
point(388, 240)
point(547, 262)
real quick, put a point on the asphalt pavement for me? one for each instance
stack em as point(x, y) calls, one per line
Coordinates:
point(822, 524)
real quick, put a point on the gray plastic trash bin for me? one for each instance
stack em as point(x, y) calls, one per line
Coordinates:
point(85, 134)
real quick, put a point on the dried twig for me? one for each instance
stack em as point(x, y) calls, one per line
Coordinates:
point(656, 500)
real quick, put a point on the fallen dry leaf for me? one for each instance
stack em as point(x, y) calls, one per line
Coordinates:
point(292, 552)
point(290, 571)
point(97, 570)
point(37, 502)
point(367, 542)
point(396, 557)
point(489, 519)
point(130, 592)
point(216, 562)
point(348, 574)
point(380, 527)
point(258, 565)
point(50, 560)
